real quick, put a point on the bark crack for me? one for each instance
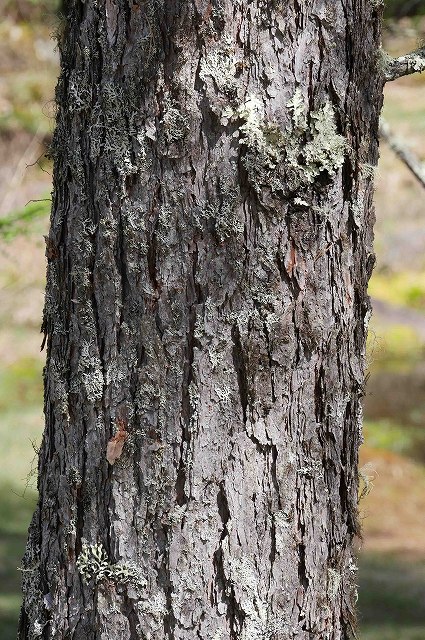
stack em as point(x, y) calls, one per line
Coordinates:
point(193, 296)
point(235, 615)
point(239, 363)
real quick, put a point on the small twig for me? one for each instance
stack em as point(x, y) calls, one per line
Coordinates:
point(37, 162)
point(18, 174)
point(405, 65)
point(408, 157)
point(40, 200)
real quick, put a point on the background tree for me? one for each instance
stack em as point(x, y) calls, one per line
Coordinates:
point(205, 318)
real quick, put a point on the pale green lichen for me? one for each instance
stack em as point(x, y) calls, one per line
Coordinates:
point(217, 12)
point(83, 243)
point(136, 243)
point(258, 134)
point(271, 320)
point(414, 62)
point(311, 470)
point(216, 354)
point(141, 147)
point(358, 208)
point(311, 147)
point(82, 277)
point(297, 106)
point(177, 514)
point(326, 151)
point(157, 606)
point(211, 29)
point(79, 92)
point(174, 122)
point(148, 395)
point(224, 394)
point(417, 63)
point(259, 623)
point(51, 312)
point(90, 369)
point(194, 397)
point(300, 202)
point(115, 373)
point(219, 65)
point(323, 150)
point(264, 143)
point(93, 565)
point(109, 131)
point(71, 528)
point(333, 582)
point(368, 170)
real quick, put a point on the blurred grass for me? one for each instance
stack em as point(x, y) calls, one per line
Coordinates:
point(396, 111)
point(16, 510)
point(20, 222)
point(21, 427)
point(389, 435)
point(28, 68)
point(393, 347)
point(391, 593)
point(404, 288)
point(24, 104)
point(21, 385)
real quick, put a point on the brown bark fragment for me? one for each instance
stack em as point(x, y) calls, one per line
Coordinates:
point(116, 444)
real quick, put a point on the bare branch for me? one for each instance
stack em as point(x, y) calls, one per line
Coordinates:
point(410, 160)
point(405, 65)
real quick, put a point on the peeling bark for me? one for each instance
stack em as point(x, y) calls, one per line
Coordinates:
point(212, 219)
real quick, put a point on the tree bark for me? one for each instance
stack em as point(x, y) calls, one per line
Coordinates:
point(206, 314)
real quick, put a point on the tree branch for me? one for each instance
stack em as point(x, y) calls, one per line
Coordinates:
point(406, 156)
point(405, 65)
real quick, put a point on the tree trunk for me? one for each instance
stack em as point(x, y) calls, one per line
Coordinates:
point(206, 314)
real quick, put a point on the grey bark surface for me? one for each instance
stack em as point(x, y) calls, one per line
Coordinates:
point(206, 306)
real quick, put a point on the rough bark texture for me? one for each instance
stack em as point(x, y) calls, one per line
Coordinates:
point(206, 313)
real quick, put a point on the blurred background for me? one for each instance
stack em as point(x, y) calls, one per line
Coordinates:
point(392, 554)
